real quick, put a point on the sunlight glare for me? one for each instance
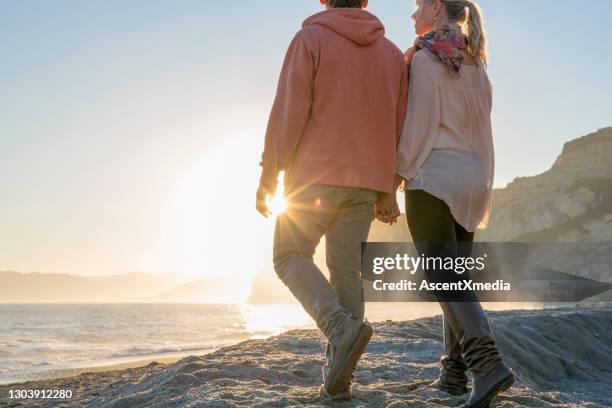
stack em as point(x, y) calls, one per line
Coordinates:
point(278, 203)
point(209, 219)
point(261, 320)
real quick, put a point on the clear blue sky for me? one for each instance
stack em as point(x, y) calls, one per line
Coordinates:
point(109, 105)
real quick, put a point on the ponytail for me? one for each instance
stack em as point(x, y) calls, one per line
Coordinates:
point(469, 15)
point(477, 41)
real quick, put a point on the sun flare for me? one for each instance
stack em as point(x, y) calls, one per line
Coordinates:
point(206, 222)
point(278, 202)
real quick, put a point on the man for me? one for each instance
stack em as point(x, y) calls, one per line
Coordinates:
point(336, 119)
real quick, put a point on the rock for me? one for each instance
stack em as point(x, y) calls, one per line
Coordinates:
point(570, 202)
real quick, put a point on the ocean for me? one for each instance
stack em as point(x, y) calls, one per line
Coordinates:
point(38, 340)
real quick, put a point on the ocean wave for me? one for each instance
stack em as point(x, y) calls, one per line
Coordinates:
point(50, 338)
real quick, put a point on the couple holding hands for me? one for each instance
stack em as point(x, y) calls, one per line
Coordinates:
point(354, 120)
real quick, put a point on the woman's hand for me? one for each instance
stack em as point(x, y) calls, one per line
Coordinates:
point(387, 209)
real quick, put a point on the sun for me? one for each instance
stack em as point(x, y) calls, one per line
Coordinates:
point(278, 202)
point(209, 218)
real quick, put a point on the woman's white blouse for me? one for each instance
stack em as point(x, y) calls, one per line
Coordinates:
point(446, 146)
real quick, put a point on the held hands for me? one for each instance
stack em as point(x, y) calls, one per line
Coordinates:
point(387, 209)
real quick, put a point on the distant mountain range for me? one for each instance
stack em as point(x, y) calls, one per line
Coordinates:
point(18, 287)
point(206, 290)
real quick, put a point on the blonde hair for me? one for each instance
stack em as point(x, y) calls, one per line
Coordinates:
point(469, 14)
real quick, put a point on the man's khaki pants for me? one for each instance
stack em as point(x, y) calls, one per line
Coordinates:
point(343, 215)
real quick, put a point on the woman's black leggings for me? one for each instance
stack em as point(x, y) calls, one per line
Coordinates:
point(435, 233)
point(430, 219)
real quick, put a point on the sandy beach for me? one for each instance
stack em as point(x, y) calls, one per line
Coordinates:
point(562, 358)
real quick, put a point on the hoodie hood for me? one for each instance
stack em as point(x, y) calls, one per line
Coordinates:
point(359, 26)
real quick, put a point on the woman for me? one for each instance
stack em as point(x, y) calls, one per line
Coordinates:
point(445, 161)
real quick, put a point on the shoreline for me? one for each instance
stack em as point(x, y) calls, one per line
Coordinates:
point(99, 367)
point(375, 312)
point(400, 363)
point(113, 364)
point(124, 363)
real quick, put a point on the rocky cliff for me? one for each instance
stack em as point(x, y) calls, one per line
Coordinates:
point(572, 201)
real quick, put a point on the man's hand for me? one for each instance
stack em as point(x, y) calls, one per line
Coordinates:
point(267, 188)
point(261, 203)
point(387, 209)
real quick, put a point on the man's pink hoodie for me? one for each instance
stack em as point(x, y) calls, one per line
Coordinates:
point(340, 104)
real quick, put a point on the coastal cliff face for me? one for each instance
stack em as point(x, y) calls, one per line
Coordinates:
point(570, 202)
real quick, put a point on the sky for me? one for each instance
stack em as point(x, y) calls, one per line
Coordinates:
point(130, 132)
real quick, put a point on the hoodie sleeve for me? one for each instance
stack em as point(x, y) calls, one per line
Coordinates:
point(402, 105)
point(291, 108)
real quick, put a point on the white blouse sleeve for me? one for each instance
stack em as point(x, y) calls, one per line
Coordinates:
point(422, 118)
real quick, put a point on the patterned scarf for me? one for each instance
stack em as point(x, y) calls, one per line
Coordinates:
point(447, 43)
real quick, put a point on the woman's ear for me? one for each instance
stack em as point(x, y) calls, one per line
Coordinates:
point(437, 6)
point(323, 2)
point(364, 4)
